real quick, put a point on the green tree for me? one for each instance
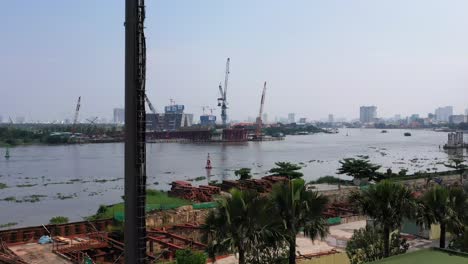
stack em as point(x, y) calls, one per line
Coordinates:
point(243, 173)
point(287, 169)
point(446, 207)
point(187, 256)
point(58, 220)
point(241, 223)
point(299, 209)
point(458, 165)
point(387, 203)
point(359, 168)
point(367, 245)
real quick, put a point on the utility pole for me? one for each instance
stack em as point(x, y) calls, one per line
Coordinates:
point(135, 126)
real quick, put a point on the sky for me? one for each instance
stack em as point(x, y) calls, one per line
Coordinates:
point(318, 57)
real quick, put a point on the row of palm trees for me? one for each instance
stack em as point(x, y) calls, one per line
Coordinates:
point(263, 228)
point(389, 203)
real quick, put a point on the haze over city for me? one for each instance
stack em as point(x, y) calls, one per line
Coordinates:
point(317, 57)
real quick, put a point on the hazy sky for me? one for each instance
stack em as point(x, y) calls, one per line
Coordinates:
point(318, 57)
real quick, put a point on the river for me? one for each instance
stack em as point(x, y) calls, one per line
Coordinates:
point(73, 180)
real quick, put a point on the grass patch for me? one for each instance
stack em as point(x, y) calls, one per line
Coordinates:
point(8, 224)
point(426, 256)
point(153, 197)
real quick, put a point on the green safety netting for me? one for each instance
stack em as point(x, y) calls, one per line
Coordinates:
point(334, 221)
point(205, 205)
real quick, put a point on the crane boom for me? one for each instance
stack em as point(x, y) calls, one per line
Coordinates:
point(222, 101)
point(258, 131)
point(150, 105)
point(221, 91)
point(226, 78)
point(77, 111)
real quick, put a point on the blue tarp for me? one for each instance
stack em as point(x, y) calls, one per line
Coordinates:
point(45, 240)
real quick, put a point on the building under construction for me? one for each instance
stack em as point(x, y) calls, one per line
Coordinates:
point(172, 119)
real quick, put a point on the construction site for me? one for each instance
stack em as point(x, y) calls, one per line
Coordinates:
point(167, 230)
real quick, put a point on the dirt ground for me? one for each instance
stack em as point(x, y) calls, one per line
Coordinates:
point(34, 253)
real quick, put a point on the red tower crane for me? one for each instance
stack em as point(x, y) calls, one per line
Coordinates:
point(258, 132)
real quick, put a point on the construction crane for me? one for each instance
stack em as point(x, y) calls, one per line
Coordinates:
point(222, 101)
point(77, 111)
point(150, 105)
point(258, 132)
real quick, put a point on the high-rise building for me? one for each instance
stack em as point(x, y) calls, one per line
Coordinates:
point(119, 115)
point(1, 119)
point(368, 114)
point(291, 118)
point(302, 120)
point(331, 119)
point(466, 112)
point(457, 119)
point(442, 114)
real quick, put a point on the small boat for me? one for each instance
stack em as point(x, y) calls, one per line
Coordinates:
point(208, 163)
point(407, 134)
point(7, 153)
point(384, 131)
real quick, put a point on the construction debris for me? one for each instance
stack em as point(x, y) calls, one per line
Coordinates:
point(185, 190)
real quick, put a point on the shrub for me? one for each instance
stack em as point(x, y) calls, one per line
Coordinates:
point(187, 256)
point(367, 245)
point(58, 220)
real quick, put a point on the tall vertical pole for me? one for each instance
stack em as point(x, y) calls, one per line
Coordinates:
point(135, 152)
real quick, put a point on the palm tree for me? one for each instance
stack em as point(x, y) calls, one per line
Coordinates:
point(359, 168)
point(298, 209)
point(445, 207)
point(387, 203)
point(243, 173)
point(287, 169)
point(239, 223)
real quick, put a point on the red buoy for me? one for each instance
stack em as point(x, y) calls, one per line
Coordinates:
point(208, 163)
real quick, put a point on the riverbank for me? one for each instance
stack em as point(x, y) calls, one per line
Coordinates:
point(74, 180)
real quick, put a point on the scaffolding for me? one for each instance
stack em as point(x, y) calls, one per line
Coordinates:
point(135, 127)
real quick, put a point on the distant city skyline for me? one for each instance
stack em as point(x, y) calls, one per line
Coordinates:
point(318, 57)
point(117, 116)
